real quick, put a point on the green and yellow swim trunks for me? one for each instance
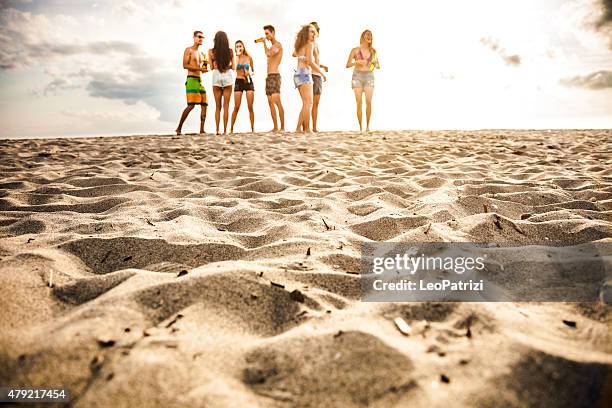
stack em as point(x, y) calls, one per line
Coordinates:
point(196, 94)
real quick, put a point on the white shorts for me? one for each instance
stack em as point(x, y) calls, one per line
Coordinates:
point(222, 79)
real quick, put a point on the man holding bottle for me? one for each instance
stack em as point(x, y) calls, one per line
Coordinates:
point(274, 53)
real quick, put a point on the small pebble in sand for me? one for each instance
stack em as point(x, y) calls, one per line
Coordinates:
point(403, 326)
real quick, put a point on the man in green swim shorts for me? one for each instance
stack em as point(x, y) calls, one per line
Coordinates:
point(194, 61)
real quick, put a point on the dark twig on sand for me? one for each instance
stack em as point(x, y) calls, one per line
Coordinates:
point(569, 323)
point(327, 227)
point(176, 318)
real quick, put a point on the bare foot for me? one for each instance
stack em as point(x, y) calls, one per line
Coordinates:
point(178, 132)
point(273, 130)
point(315, 131)
point(282, 130)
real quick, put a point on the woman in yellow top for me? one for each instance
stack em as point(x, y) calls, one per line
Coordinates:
point(364, 59)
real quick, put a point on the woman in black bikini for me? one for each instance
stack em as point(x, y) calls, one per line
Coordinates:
point(244, 83)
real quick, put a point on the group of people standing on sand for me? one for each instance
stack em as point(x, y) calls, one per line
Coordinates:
point(234, 70)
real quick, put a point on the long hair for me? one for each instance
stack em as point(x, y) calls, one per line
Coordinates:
point(221, 51)
point(244, 50)
point(371, 45)
point(301, 39)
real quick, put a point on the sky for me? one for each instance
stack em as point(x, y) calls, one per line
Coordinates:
point(81, 68)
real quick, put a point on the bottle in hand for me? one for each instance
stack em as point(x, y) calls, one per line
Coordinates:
point(259, 40)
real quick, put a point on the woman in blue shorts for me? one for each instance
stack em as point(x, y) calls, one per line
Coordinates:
point(303, 51)
point(364, 59)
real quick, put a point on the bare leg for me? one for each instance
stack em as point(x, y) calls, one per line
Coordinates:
point(250, 96)
point(273, 112)
point(188, 109)
point(358, 99)
point(227, 95)
point(218, 92)
point(202, 119)
point(237, 102)
point(306, 94)
point(315, 111)
point(281, 112)
point(368, 94)
point(300, 122)
point(299, 128)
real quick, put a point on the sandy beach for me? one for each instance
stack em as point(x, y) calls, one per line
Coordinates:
point(224, 271)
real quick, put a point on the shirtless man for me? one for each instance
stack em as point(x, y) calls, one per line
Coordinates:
point(317, 87)
point(194, 61)
point(273, 80)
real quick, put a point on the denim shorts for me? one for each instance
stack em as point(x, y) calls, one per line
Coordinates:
point(302, 76)
point(222, 79)
point(362, 79)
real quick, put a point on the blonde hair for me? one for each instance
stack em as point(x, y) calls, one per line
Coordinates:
point(362, 39)
point(244, 50)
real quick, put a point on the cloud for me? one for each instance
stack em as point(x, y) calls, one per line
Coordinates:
point(603, 25)
point(58, 84)
point(4, 4)
point(591, 19)
point(161, 90)
point(605, 7)
point(21, 45)
point(594, 81)
point(513, 60)
point(123, 71)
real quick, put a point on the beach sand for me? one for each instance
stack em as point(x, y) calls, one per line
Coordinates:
point(224, 272)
